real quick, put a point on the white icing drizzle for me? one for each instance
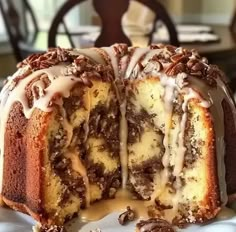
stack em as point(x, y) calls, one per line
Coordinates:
point(168, 84)
point(138, 53)
point(123, 65)
point(123, 132)
point(91, 53)
point(41, 86)
point(171, 91)
point(123, 144)
point(114, 61)
point(150, 54)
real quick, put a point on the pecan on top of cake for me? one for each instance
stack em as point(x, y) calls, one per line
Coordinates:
point(45, 60)
point(163, 58)
point(181, 60)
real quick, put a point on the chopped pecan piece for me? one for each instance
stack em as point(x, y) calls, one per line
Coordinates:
point(154, 225)
point(127, 216)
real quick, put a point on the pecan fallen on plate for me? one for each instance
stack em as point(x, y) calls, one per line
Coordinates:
point(52, 228)
point(154, 225)
point(127, 216)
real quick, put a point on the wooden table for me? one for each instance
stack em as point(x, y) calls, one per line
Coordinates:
point(226, 45)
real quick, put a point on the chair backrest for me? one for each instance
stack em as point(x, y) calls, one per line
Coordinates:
point(111, 12)
point(14, 24)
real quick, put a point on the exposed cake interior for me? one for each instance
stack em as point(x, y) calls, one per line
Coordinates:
point(168, 147)
point(119, 123)
point(83, 142)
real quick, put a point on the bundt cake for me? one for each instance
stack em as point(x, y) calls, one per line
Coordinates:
point(92, 131)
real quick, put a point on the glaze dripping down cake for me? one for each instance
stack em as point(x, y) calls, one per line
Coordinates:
point(79, 126)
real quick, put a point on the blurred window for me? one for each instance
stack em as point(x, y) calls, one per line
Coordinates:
point(3, 33)
point(2, 26)
point(45, 10)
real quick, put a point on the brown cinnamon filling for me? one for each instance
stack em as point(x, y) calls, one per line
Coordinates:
point(142, 185)
point(72, 181)
point(136, 122)
point(142, 176)
point(193, 146)
point(149, 166)
point(78, 140)
point(104, 123)
point(74, 102)
point(109, 182)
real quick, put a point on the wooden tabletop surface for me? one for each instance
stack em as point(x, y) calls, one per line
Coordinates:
point(226, 44)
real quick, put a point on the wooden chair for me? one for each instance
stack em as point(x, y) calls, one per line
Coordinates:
point(21, 42)
point(111, 12)
point(233, 23)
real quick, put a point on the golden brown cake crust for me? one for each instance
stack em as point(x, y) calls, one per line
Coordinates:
point(213, 201)
point(211, 204)
point(23, 162)
point(15, 158)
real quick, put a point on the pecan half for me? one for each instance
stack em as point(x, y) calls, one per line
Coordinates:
point(127, 216)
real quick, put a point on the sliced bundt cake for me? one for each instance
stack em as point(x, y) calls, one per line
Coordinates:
point(143, 127)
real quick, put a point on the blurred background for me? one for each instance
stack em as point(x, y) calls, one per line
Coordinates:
point(29, 26)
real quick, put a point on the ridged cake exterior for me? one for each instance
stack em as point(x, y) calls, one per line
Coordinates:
point(82, 125)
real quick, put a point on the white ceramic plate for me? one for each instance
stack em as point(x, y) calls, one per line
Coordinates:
point(11, 221)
